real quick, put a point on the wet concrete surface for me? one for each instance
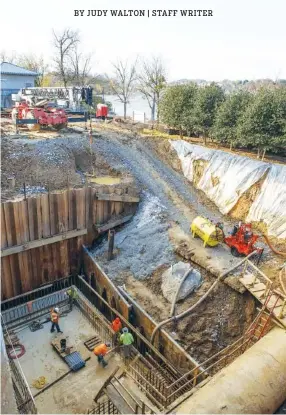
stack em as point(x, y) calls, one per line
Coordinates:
point(75, 392)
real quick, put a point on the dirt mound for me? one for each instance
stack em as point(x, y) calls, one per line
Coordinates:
point(48, 164)
point(216, 323)
point(163, 149)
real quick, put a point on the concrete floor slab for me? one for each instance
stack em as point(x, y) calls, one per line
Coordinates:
point(74, 393)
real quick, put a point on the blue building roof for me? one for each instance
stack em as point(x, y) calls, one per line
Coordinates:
point(11, 69)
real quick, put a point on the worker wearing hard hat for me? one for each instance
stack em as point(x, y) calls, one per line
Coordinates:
point(126, 339)
point(100, 351)
point(116, 326)
point(55, 320)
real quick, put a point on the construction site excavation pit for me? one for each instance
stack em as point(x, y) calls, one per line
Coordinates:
point(75, 392)
point(50, 382)
point(64, 202)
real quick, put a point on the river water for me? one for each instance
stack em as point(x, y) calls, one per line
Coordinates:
point(137, 104)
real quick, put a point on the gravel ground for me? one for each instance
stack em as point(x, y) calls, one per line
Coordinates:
point(142, 245)
point(132, 154)
point(177, 198)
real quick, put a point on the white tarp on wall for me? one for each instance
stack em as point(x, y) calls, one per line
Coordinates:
point(226, 177)
point(270, 205)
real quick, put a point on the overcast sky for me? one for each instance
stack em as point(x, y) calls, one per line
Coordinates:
point(245, 39)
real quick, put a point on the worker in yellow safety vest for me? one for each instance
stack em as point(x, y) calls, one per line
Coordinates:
point(55, 320)
point(72, 295)
point(126, 339)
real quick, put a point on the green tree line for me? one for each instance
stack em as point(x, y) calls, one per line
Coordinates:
point(241, 119)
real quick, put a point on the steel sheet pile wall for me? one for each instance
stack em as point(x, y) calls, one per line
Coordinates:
point(167, 346)
point(40, 218)
point(95, 273)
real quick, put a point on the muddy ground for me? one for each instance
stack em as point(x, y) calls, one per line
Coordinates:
point(147, 245)
point(215, 324)
point(49, 163)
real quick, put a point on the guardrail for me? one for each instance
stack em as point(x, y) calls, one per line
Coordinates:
point(102, 328)
point(105, 407)
point(40, 292)
point(24, 398)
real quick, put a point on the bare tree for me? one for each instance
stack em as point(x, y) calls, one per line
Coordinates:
point(28, 61)
point(36, 64)
point(151, 82)
point(80, 66)
point(123, 82)
point(8, 57)
point(64, 43)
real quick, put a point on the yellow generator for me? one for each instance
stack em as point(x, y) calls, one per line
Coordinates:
point(211, 234)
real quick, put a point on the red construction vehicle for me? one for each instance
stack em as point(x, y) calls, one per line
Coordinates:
point(101, 111)
point(39, 115)
point(242, 240)
point(38, 107)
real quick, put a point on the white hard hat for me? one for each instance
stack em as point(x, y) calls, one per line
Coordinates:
point(57, 309)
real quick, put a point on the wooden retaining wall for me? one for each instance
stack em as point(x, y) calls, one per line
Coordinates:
point(29, 255)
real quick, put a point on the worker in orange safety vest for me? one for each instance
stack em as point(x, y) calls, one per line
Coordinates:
point(116, 326)
point(100, 351)
point(55, 320)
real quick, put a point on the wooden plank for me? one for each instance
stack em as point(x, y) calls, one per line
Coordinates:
point(25, 272)
point(87, 205)
point(45, 265)
point(7, 290)
point(94, 202)
point(62, 247)
point(56, 259)
point(113, 224)
point(80, 208)
point(63, 212)
point(8, 221)
point(18, 238)
point(4, 243)
point(31, 218)
point(42, 242)
point(38, 218)
point(24, 221)
point(53, 213)
point(15, 272)
point(117, 198)
point(72, 209)
point(45, 208)
point(32, 266)
point(258, 287)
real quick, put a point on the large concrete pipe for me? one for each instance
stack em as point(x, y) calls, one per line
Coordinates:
point(255, 383)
